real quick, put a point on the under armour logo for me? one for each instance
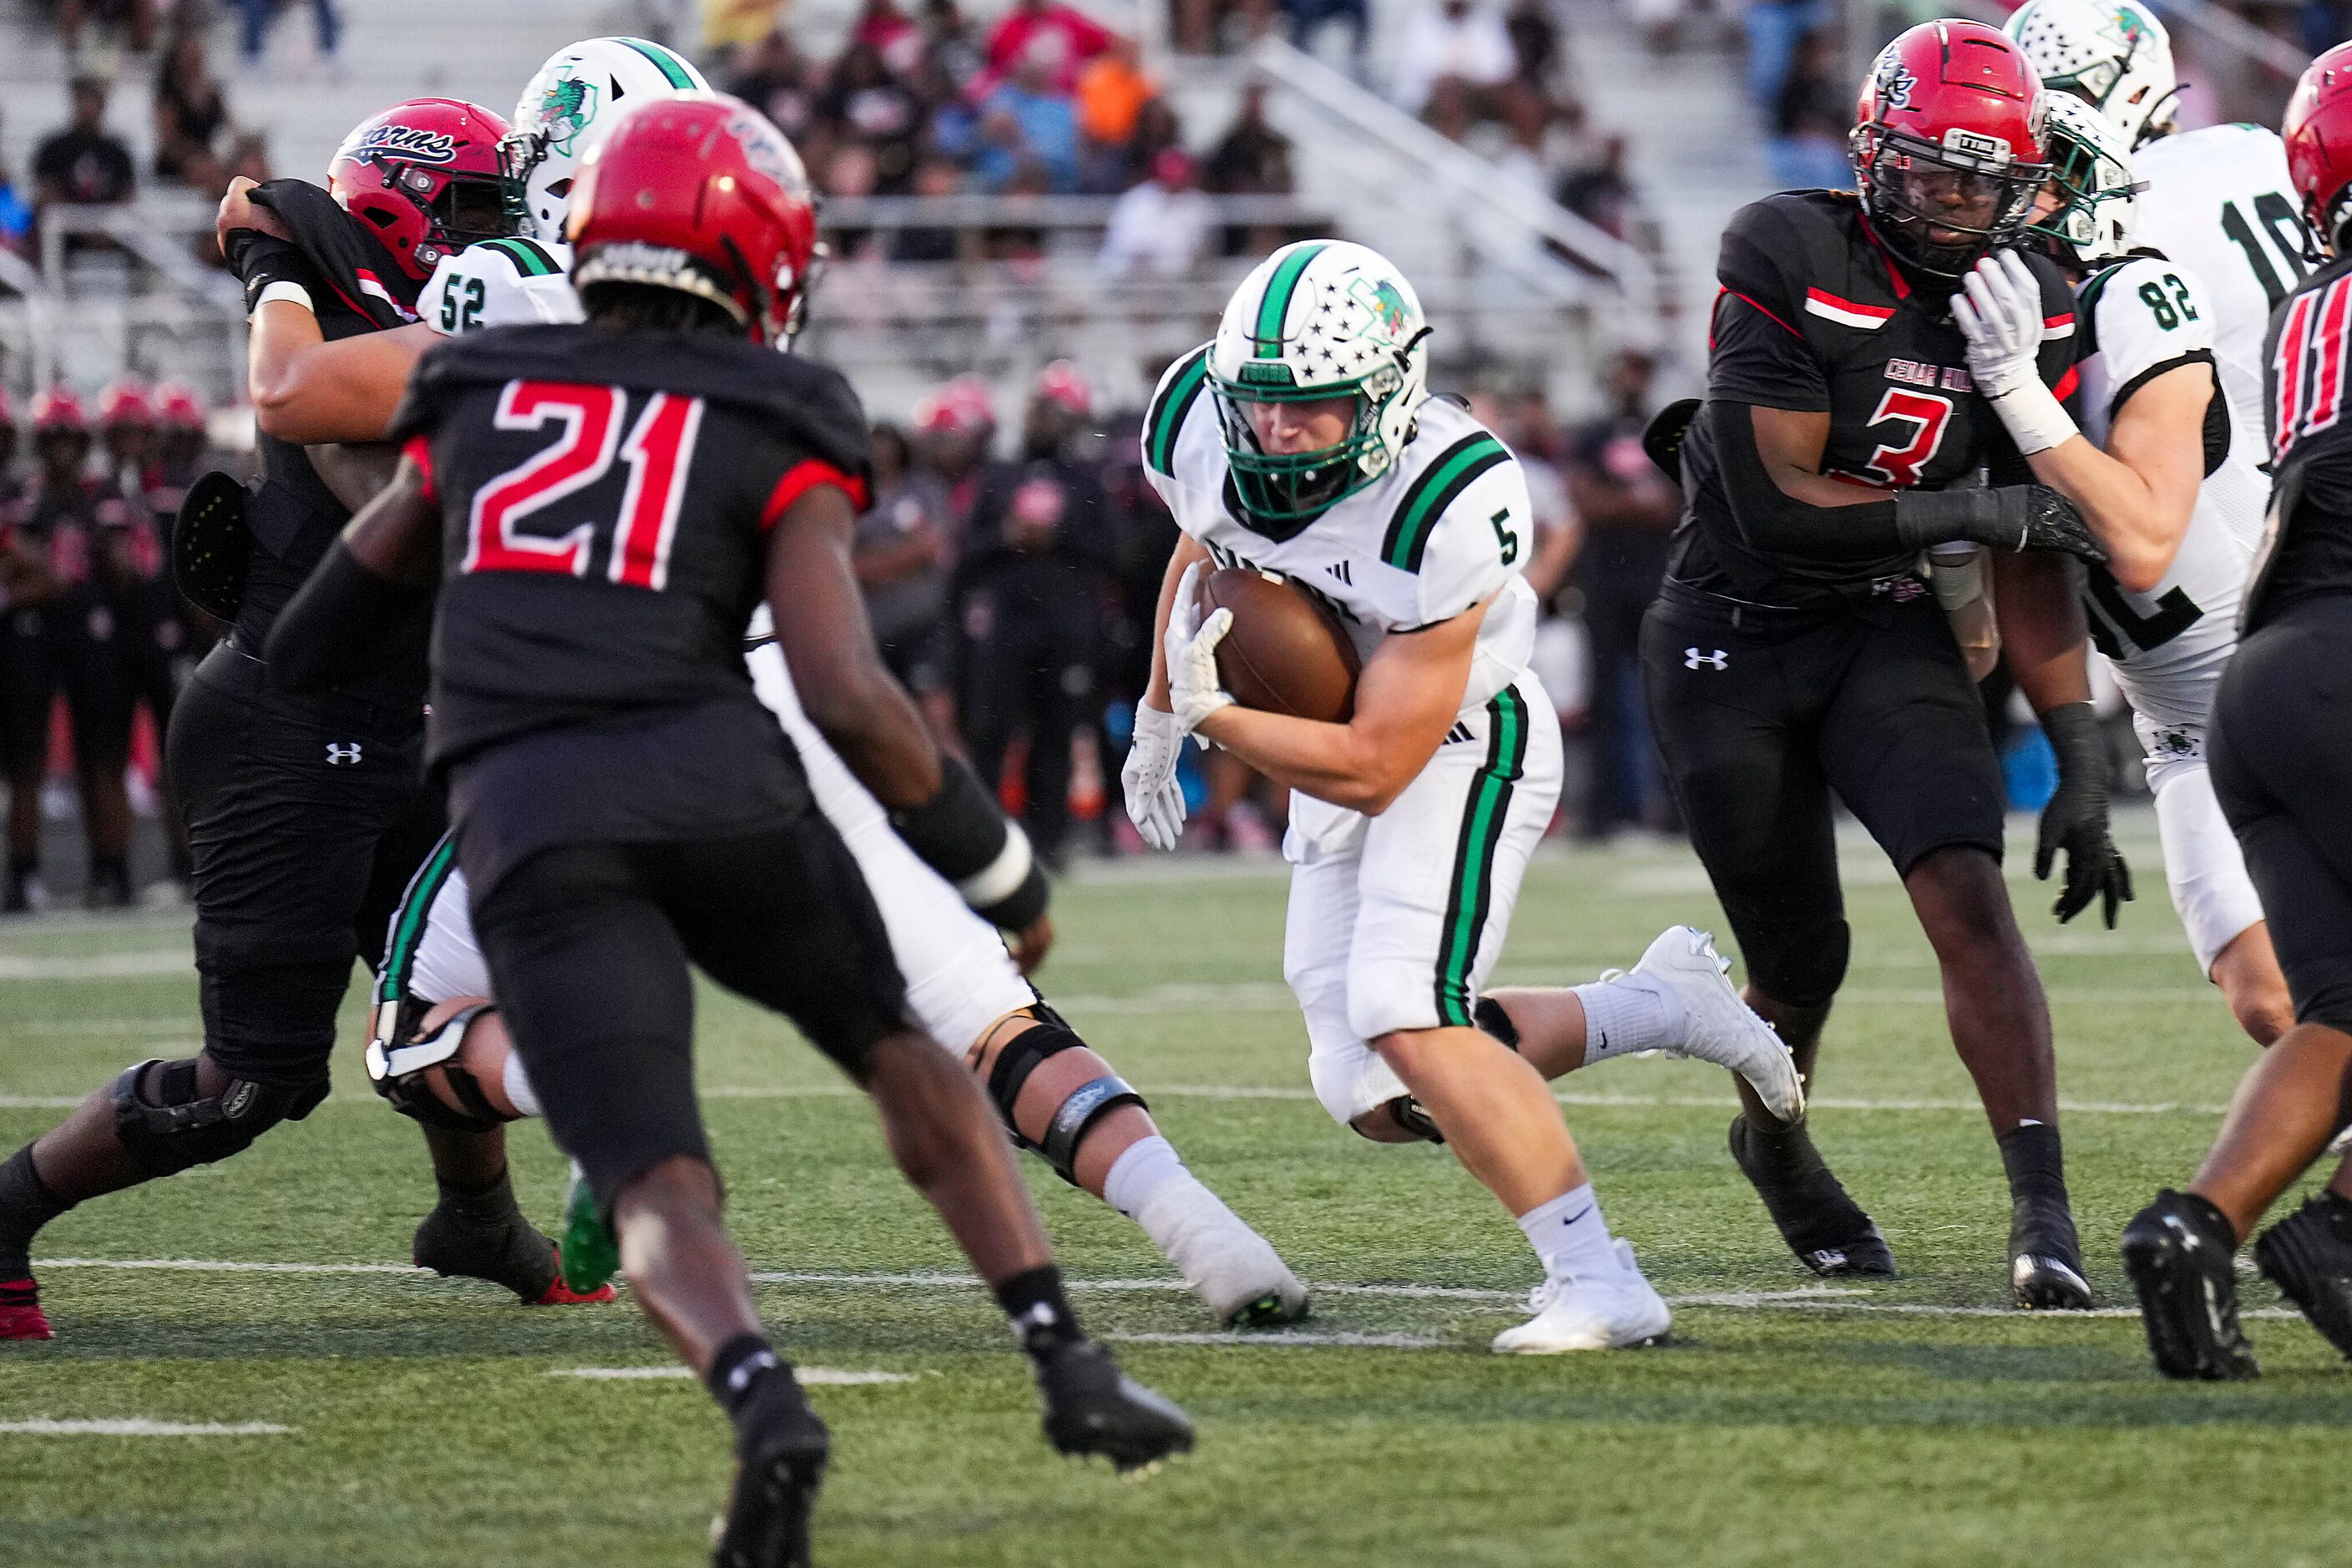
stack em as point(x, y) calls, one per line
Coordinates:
point(1692, 659)
point(342, 753)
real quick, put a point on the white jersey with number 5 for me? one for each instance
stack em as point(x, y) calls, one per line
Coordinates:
point(2219, 201)
point(499, 283)
point(2138, 320)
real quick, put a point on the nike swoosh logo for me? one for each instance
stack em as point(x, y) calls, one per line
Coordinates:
point(1577, 1215)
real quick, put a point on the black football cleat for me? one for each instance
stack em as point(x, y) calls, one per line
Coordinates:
point(1092, 1407)
point(2045, 1260)
point(778, 1469)
point(1824, 1227)
point(2308, 1256)
point(2181, 1256)
point(505, 1249)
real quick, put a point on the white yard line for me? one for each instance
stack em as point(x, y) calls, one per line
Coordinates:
point(140, 964)
point(1280, 1338)
point(812, 1376)
point(137, 1427)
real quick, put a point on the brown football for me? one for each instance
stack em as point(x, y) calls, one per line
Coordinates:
point(1285, 653)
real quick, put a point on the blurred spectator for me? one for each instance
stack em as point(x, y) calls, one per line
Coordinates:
point(947, 45)
point(1165, 226)
point(1810, 118)
point(16, 213)
point(1600, 192)
point(85, 162)
point(248, 159)
point(865, 103)
point(1030, 592)
point(326, 26)
point(135, 19)
point(1535, 43)
point(189, 115)
point(849, 173)
point(1449, 40)
point(900, 554)
point(1027, 118)
point(1078, 38)
point(1252, 158)
point(1628, 510)
point(773, 76)
point(934, 177)
point(731, 23)
point(1309, 17)
point(1774, 28)
point(1113, 88)
point(1200, 24)
point(884, 28)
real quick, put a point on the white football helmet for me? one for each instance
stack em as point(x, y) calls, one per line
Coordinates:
point(2114, 54)
point(561, 112)
point(1320, 318)
point(2091, 165)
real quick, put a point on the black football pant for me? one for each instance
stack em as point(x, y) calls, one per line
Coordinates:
point(305, 819)
point(2280, 753)
point(1036, 676)
point(67, 647)
point(589, 944)
point(1763, 716)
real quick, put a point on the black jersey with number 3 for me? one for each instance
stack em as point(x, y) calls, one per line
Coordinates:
point(1814, 316)
point(606, 498)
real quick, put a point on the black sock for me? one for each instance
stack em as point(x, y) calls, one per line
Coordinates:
point(746, 1372)
point(1040, 1315)
point(2036, 1167)
point(25, 1206)
point(486, 1203)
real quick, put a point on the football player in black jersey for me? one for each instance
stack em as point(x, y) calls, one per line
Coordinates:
point(2281, 761)
point(602, 506)
point(1796, 653)
point(307, 813)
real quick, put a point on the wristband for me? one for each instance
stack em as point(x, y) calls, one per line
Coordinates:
point(962, 835)
point(284, 288)
point(2072, 728)
point(2034, 417)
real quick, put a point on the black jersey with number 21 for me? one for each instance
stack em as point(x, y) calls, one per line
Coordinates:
point(1812, 316)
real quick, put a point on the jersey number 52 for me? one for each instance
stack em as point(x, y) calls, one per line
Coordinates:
point(658, 451)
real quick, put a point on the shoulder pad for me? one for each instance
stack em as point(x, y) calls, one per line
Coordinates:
point(1769, 246)
point(1451, 470)
point(1171, 404)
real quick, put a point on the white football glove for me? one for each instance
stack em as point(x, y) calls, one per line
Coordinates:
point(1998, 312)
point(1155, 800)
point(1194, 690)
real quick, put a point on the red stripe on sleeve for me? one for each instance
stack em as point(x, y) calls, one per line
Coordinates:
point(2066, 383)
point(805, 476)
point(2053, 322)
point(1767, 315)
point(419, 451)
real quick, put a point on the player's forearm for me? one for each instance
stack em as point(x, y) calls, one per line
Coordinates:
point(2140, 524)
point(2044, 637)
point(309, 390)
point(1187, 552)
point(1357, 766)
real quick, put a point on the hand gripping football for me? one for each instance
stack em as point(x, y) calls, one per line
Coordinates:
point(1285, 653)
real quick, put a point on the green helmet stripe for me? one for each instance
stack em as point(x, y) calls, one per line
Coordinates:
point(1427, 499)
point(1169, 411)
point(1276, 306)
point(670, 66)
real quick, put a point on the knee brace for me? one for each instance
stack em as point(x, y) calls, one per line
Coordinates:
point(1802, 968)
point(403, 1071)
point(178, 1127)
point(1086, 1104)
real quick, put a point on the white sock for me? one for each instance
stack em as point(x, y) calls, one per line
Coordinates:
point(516, 1083)
point(1569, 1236)
point(1632, 1013)
point(1142, 1169)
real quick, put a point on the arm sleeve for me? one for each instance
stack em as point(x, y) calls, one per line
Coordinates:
point(1479, 545)
point(1777, 523)
point(1757, 350)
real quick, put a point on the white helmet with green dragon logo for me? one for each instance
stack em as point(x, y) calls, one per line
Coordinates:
point(576, 90)
point(2090, 163)
point(2114, 54)
point(1321, 319)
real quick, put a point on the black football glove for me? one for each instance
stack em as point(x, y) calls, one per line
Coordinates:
point(2076, 820)
point(2010, 517)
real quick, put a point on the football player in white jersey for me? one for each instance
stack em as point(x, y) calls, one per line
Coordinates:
point(2163, 480)
point(1301, 441)
point(437, 1054)
point(2217, 201)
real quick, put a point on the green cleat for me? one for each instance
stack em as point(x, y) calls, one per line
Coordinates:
point(589, 1255)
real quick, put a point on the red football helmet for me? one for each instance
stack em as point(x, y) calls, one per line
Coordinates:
point(2317, 131)
point(177, 406)
point(698, 193)
point(1947, 146)
point(958, 407)
point(1064, 384)
point(125, 402)
point(425, 174)
point(59, 408)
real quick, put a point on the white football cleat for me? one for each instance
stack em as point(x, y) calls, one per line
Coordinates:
point(1717, 1026)
point(1234, 1271)
point(1613, 1312)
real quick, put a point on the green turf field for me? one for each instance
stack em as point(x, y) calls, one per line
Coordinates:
point(425, 1422)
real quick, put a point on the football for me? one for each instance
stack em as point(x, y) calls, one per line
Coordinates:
point(1285, 653)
